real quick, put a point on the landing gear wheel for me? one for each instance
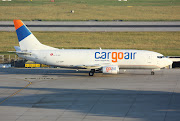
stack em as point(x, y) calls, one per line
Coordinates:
point(91, 73)
point(152, 73)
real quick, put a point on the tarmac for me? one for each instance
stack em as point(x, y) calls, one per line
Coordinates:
point(70, 95)
point(94, 26)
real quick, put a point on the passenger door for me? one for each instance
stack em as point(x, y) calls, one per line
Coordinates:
point(149, 60)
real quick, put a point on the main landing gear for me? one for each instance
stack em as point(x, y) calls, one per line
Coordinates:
point(91, 73)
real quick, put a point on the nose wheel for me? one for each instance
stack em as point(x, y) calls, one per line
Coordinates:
point(152, 73)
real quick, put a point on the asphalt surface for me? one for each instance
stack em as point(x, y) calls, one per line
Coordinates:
point(94, 26)
point(67, 95)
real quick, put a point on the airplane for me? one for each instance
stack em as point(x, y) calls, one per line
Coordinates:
point(107, 61)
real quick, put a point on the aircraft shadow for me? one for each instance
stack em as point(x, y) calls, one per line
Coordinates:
point(65, 72)
point(146, 105)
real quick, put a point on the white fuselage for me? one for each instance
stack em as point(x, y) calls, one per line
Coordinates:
point(105, 60)
point(125, 59)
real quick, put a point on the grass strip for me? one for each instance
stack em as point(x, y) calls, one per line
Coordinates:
point(167, 43)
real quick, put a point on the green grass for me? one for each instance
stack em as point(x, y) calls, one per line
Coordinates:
point(167, 43)
point(132, 10)
point(94, 2)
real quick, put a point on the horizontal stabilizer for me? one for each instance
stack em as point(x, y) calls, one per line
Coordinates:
point(20, 52)
point(17, 48)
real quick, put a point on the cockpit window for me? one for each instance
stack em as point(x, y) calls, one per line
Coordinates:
point(161, 56)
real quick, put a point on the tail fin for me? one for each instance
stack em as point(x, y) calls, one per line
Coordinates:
point(27, 40)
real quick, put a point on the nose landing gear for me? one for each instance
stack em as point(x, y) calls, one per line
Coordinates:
point(152, 72)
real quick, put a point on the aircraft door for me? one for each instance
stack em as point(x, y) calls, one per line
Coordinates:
point(149, 60)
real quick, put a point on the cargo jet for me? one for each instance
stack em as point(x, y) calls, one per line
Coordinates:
point(107, 61)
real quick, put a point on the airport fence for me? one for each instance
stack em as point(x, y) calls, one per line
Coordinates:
point(8, 58)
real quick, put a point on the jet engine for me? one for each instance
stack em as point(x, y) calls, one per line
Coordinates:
point(111, 69)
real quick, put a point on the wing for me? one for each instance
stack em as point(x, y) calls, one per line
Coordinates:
point(93, 66)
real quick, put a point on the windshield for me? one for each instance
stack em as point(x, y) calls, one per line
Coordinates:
point(161, 57)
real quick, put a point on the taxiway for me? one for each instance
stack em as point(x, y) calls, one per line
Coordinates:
point(94, 26)
point(67, 95)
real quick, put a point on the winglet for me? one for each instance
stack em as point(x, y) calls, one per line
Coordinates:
point(18, 24)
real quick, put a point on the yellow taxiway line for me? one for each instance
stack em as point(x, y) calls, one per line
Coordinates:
point(16, 91)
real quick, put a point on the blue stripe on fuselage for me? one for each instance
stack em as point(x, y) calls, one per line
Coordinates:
point(22, 33)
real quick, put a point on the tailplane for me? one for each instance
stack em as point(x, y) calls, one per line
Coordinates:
point(27, 40)
point(17, 48)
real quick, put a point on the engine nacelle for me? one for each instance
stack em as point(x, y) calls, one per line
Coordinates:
point(111, 69)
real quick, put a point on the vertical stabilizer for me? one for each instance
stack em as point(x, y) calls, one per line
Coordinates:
point(27, 40)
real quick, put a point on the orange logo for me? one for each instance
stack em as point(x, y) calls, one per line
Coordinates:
point(108, 69)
